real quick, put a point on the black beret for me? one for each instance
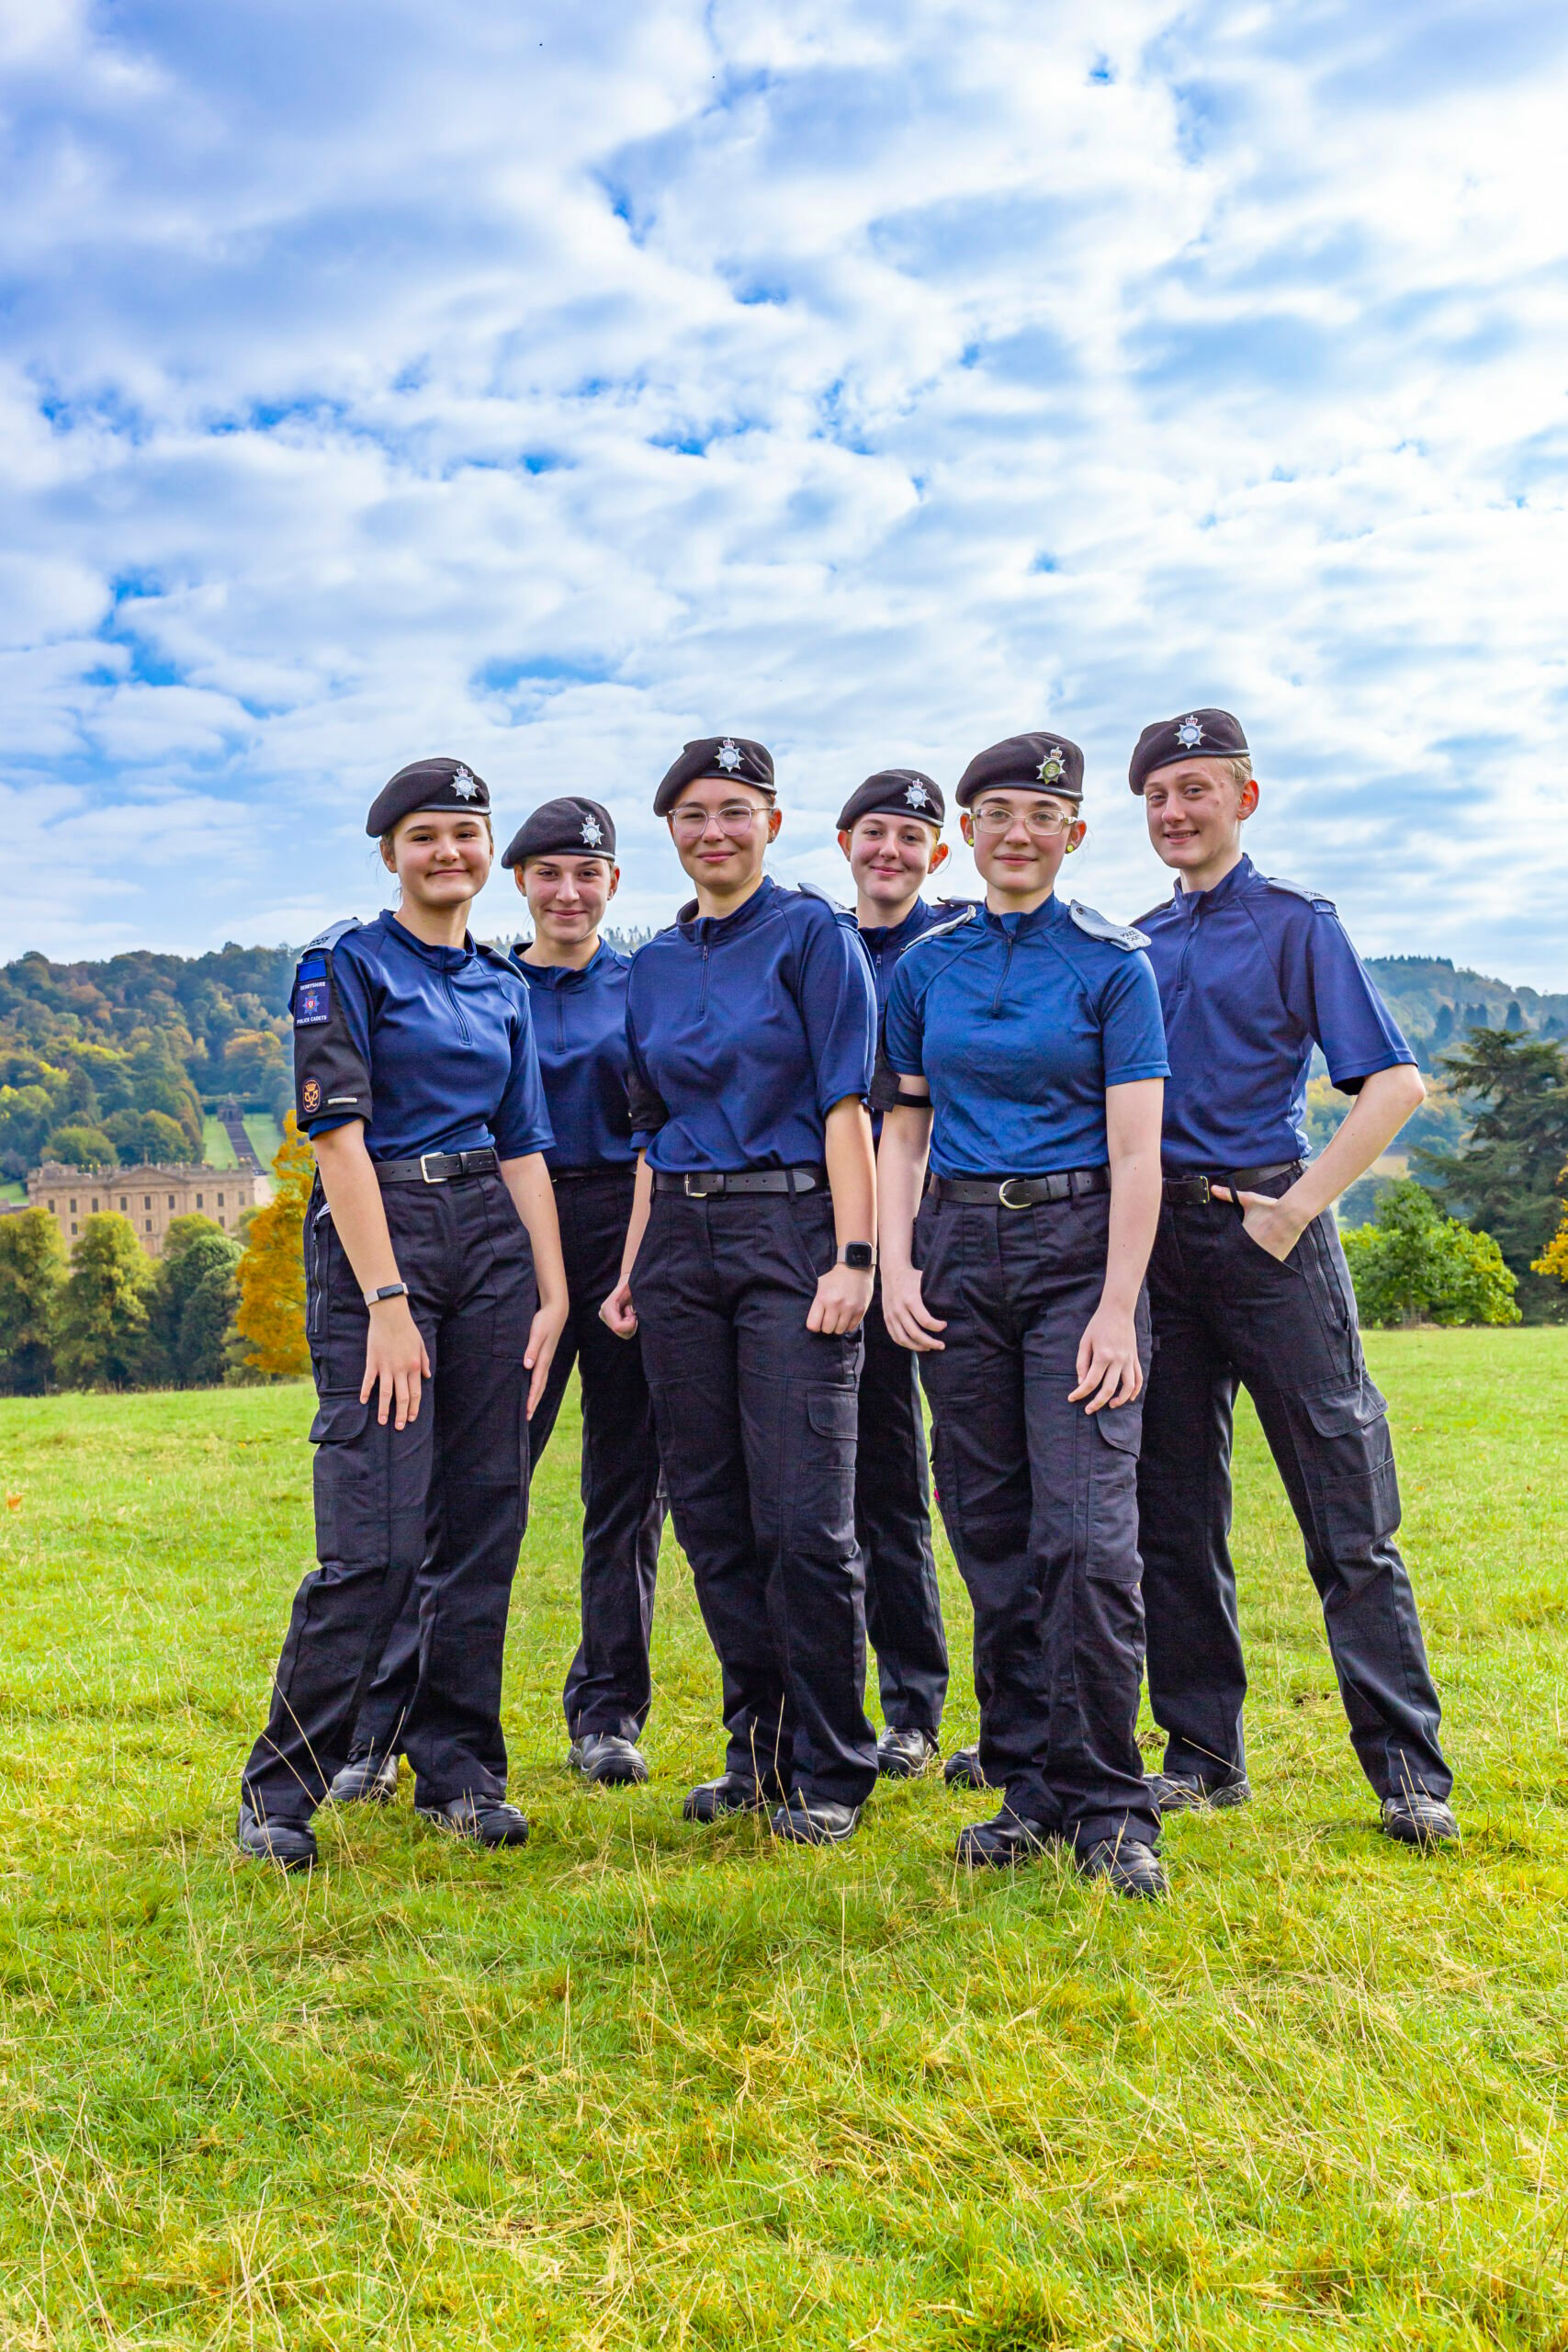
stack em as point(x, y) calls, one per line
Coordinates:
point(734, 759)
point(1200, 734)
point(1025, 764)
point(427, 783)
point(564, 828)
point(894, 792)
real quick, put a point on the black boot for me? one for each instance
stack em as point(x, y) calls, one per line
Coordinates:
point(604, 1757)
point(731, 1792)
point(291, 1845)
point(1127, 1865)
point(962, 1770)
point(367, 1779)
point(487, 1821)
point(814, 1821)
point(904, 1755)
point(1190, 1792)
point(1419, 1819)
point(998, 1844)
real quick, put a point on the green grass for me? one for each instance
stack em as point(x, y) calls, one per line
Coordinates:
point(647, 2085)
point(265, 1135)
point(216, 1151)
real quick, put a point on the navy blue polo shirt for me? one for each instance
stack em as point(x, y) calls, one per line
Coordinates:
point(1018, 1023)
point(580, 1028)
point(744, 1030)
point(885, 943)
point(433, 1047)
point(1252, 974)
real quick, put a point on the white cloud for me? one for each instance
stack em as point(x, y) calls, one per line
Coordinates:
point(548, 386)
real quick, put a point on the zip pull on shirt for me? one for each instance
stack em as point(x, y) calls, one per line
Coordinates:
point(1252, 975)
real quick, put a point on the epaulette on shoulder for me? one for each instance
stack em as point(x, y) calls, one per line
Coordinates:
point(966, 913)
point(1099, 926)
point(333, 934)
point(843, 916)
point(1299, 891)
point(497, 951)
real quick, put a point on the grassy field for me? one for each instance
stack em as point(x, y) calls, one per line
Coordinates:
point(648, 2086)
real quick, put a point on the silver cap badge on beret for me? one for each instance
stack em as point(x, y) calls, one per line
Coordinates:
point(916, 795)
point(1053, 766)
point(592, 830)
point(728, 756)
point(1190, 734)
point(463, 784)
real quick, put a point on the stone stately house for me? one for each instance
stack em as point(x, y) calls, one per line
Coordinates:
point(148, 1196)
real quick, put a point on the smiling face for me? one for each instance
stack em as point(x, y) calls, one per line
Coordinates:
point(566, 896)
point(441, 857)
point(890, 856)
point(1020, 840)
point(1195, 810)
point(721, 832)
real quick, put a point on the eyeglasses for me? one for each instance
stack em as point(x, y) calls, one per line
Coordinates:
point(1044, 822)
point(736, 818)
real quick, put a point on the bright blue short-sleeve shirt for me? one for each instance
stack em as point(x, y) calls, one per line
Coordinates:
point(580, 1029)
point(433, 1047)
point(885, 943)
point(1252, 975)
point(1018, 1023)
point(744, 1030)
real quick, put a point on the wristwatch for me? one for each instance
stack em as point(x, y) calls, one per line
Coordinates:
point(860, 1255)
point(388, 1290)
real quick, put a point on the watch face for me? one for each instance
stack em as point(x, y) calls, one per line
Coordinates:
point(860, 1255)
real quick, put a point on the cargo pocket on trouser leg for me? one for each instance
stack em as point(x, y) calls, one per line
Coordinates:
point(1115, 1437)
point(822, 1589)
point(1096, 1768)
point(351, 1482)
point(1349, 1476)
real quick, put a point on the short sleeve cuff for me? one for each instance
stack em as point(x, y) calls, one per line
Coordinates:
point(1353, 1073)
point(1137, 1070)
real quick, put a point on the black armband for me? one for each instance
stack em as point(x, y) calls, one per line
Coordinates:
point(646, 1107)
point(887, 1091)
point(330, 1075)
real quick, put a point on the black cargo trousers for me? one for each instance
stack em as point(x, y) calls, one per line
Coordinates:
point(1040, 1503)
point(756, 1419)
point(892, 1526)
point(448, 1495)
point(608, 1687)
point(1225, 1312)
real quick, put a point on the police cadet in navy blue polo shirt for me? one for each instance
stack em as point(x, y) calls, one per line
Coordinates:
point(1248, 1283)
point(750, 1025)
point(434, 1299)
point(890, 831)
point(1026, 1044)
point(563, 860)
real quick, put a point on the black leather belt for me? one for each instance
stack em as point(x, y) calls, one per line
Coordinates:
point(702, 1184)
point(1020, 1191)
point(1194, 1192)
point(439, 1166)
point(608, 1170)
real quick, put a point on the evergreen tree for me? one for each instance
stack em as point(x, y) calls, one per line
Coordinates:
point(32, 1268)
point(270, 1322)
point(193, 1300)
point(1503, 1178)
point(1414, 1265)
point(102, 1330)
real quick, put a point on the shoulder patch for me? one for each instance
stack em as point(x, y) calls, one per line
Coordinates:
point(1300, 890)
point(333, 934)
point(1099, 926)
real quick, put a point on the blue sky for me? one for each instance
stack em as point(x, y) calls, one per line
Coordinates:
point(547, 385)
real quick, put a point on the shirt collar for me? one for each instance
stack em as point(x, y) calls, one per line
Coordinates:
point(560, 976)
point(706, 930)
point(1023, 926)
point(879, 936)
point(440, 959)
point(1234, 882)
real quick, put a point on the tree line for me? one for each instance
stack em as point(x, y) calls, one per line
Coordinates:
point(1481, 1236)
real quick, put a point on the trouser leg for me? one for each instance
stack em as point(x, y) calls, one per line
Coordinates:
point(372, 1490)
point(798, 1414)
point(1197, 1678)
point(1084, 1531)
point(452, 1735)
point(892, 1528)
point(608, 1687)
point(976, 1384)
point(1291, 1329)
point(689, 1350)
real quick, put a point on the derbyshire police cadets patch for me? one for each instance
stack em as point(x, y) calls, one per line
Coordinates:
point(312, 996)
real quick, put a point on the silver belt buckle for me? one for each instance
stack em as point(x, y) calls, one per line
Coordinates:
point(1002, 1199)
point(425, 1172)
point(697, 1191)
